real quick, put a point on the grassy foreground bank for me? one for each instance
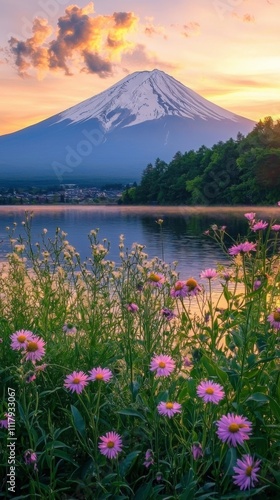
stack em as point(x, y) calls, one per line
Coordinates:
point(127, 381)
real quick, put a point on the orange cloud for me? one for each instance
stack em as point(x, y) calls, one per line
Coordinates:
point(97, 41)
point(191, 29)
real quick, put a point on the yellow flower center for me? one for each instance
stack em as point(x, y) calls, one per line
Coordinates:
point(248, 471)
point(209, 390)
point(110, 444)
point(178, 286)
point(191, 283)
point(162, 364)
point(169, 406)
point(21, 338)
point(233, 428)
point(154, 277)
point(276, 316)
point(99, 376)
point(32, 346)
point(76, 380)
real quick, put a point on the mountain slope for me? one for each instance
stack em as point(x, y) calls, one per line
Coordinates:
point(112, 136)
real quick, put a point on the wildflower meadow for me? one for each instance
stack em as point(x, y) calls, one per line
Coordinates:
point(129, 381)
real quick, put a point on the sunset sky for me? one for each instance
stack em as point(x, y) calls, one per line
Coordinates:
point(55, 54)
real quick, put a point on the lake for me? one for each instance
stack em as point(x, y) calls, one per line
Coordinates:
point(182, 229)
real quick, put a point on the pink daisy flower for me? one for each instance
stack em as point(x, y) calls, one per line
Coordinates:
point(169, 409)
point(163, 365)
point(179, 289)
point(197, 451)
point(131, 307)
point(259, 225)
point(76, 382)
point(245, 247)
point(275, 227)
point(20, 338)
point(34, 349)
point(209, 274)
point(246, 472)
point(250, 216)
point(111, 444)
point(156, 279)
point(193, 287)
point(99, 373)
point(234, 429)
point(149, 459)
point(210, 392)
point(274, 319)
point(278, 203)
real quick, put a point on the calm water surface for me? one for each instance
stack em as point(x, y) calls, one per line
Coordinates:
point(183, 229)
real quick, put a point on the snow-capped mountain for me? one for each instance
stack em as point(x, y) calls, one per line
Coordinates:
point(145, 96)
point(114, 135)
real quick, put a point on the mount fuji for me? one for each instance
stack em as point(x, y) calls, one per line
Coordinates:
point(112, 136)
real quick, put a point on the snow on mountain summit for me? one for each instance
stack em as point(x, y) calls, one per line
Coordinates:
point(143, 96)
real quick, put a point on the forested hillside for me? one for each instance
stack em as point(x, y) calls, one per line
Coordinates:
point(244, 171)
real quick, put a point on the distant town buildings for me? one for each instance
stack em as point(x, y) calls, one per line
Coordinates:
point(66, 193)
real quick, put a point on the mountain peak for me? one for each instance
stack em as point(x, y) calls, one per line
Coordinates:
point(144, 96)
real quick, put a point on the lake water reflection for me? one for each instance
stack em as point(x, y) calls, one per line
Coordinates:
point(183, 229)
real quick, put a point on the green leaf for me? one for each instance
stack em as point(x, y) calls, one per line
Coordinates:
point(132, 413)
point(78, 421)
point(258, 397)
point(65, 456)
point(128, 462)
point(213, 370)
point(230, 461)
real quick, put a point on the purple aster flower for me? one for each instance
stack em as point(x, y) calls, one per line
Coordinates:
point(99, 373)
point(256, 284)
point(210, 392)
point(246, 472)
point(275, 227)
point(131, 307)
point(169, 409)
point(187, 362)
point(226, 274)
point(168, 313)
point(197, 451)
point(76, 382)
point(4, 422)
point(149, 459)
point(259, 225)
point(245, 247)
point(234, 429)
point(209, 274)
point(179, 289)
point(111, 445)
point(30, 458)
point(69, 329)
point(163, 365)
point(274, 319)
